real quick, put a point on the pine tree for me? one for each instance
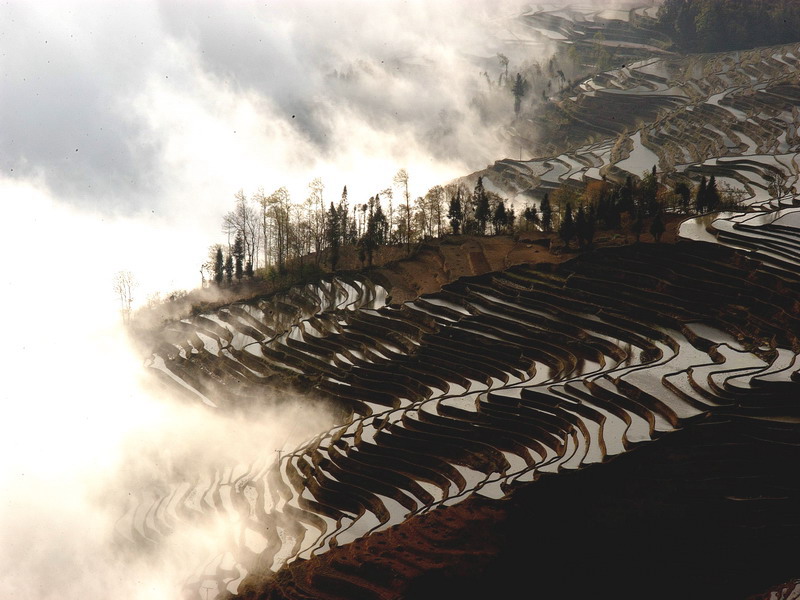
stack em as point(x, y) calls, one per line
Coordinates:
point(702, 196)
point(480, 201)
point(380, 225)
point(547, 214)
point(455, 212)
point(531, 216)
point(218, 266)
point(238, 255)
point(373, 236)
point(626, 196)
point(229, 268)
point(333, 236)
point(519, 88)
point(649, 192)
point(342, 213)
point(685, 194)
point(500, 217)
point(712, 194)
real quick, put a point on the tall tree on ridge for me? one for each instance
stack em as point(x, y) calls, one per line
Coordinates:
point(333, 236)
point(124, 282)
point(218, 265)
point(316, 215)
point(712, 194)
point(519, 88)
point(455, 213)
point(238, 255)
point(342, 214)
point(229, 268)
point(531, 216)
point(547, 214)
point(401, 179)
point(500, 218)
point(480, 200)
point(702, 196)
point(685, 194)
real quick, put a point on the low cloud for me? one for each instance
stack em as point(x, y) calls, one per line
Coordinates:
point(161, 108)
point(86, 434)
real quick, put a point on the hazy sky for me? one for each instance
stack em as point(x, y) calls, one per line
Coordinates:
point(146, 106)
point(161, 111)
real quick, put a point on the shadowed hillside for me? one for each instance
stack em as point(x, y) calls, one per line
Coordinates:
point(495, 382)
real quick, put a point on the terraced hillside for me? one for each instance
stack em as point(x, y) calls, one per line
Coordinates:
point(467, 394)
point(621, 424)
point(725, 114)
point(628, 31)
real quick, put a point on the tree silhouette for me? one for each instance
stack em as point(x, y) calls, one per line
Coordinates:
point(500, 217)
point(229, 268)
point(455, 213)
point(218, 265)
point(567, 229)
point(547, 214)
point(238, 255)
point(531, 216)
point(712, 194)
point(480, 201)
point(333, 236)
point(124, 283)
point(685, 194)
point(701, 199)
point(401, 179)
point(518, 89)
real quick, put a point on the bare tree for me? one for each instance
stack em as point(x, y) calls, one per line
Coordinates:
point(401, 180)
point(777, 186)
point(279, 205)
point(316, 216)
point(242, 221)
point(262, 200)
point(124, 283)
point(388, 193)
point(421, 217)
point(435, 208)
point(504, 64)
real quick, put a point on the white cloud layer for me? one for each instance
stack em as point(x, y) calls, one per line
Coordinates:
point(171, 107)
point(83, 432)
